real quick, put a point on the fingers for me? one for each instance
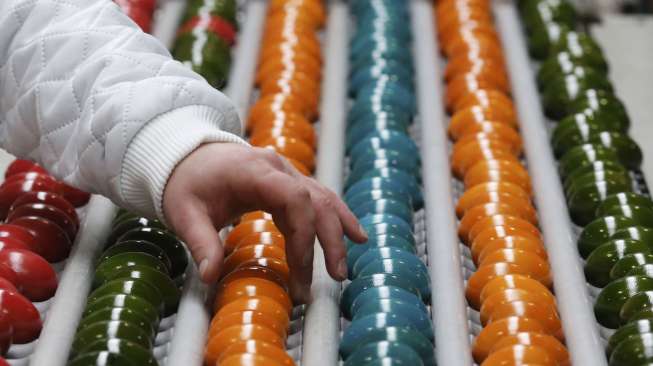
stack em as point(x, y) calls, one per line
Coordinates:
point(196, 229)
point(290, 204)
point(329, 232)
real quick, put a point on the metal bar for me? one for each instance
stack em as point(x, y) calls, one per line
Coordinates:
point(574, 304)
point(243, 70)
point(449, 309)
point(75, 283)
point(191, 326)
point(322, 322)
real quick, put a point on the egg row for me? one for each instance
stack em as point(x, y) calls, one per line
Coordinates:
point(386, 301)
point(597, 160)
point(136, 284)
point(511, 286)
point(40, 226)
point(205, 38)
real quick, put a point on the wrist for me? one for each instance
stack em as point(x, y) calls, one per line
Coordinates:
point(156, 150)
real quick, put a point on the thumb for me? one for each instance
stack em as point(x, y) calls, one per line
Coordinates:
point(203, 241)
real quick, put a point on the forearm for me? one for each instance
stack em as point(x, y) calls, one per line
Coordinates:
point(99, 103)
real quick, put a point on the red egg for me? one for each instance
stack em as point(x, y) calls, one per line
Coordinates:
point(18, 233)
point(52, 242)
point(24, 317)
point(22, 166)
point(6, 332)
point(9, 192)
point(35, 277)
point(76, 197)
point(51, 199)
point(46, 212)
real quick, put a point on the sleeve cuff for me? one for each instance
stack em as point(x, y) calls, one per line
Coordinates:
point(156, 150)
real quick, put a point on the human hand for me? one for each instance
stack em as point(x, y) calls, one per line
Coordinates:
point(219, 182)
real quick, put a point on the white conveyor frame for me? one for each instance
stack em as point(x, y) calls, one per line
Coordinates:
point(574, 304)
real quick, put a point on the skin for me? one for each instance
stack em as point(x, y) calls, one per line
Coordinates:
point(219, 182)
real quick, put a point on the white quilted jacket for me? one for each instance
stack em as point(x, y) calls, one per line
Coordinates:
point(99, 103)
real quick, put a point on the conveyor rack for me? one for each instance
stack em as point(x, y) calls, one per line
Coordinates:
point(318, 343)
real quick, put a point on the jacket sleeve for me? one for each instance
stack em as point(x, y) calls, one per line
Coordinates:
point(99, 103)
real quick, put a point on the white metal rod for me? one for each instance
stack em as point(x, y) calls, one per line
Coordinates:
point(191, 326)
point(322, 322)
point(74, 285)
point(574, 304)
point(243, 69)
point(449, 308)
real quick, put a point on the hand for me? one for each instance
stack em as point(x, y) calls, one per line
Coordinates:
point(219, 182)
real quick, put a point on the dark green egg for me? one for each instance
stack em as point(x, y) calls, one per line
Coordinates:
point(135, 352)
point(628, 263)
point(168, 242)
point(610, 300)
point(110, 330)
point(122, 314)
point(602, 260)
point(117, 262)
point(157, 279)
point(599, 231)
point(134, 303)
point(128, 286)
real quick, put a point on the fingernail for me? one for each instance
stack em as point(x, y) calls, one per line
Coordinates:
point(342, 268)
point(363, 232)
point(204, 267)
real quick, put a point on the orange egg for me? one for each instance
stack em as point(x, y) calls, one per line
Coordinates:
point(501, 187)
point(258, 137)
point(492, 333)
point(498, 232)
point(518, 355)
point(237, 333)
point(255, 271)
point(538, 267)
point(515, 282)
point(479, 198)
point(278, 266)
point(262, 304)
point(483, 275)
point(249, 359)
point(295, 83)
point(488, 130)
point(486, 140)
point(287, 61)
point(292, 148)
point(482, 250)
point(477, 45)
point(543, 312)
point(246, 228)
point(466, 118)
point(286, 53)
point(483, 193)
point(266, 238)
point(251, 287)
point(474, 153)
point(257, 347)
point(285, 120)
point(285, 23)
point(472, 31)
point(305, 42)
point(247, 317)
point(243, 254)
point(553, 347)
point(502, 220)
point(488, 98)
point(481, 176)
point(464, 84)
point(515, 169)
point(461, 65)
point(458, 18)
point(268, 107)
point(311, 11)
point(497, 299)
point(481, 211)
point(256, 215)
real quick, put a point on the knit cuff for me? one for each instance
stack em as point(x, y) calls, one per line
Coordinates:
point(156, 150)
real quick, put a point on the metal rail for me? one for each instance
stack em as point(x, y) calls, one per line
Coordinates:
point(574, 304)
point(449, 309)
point(322, 322)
